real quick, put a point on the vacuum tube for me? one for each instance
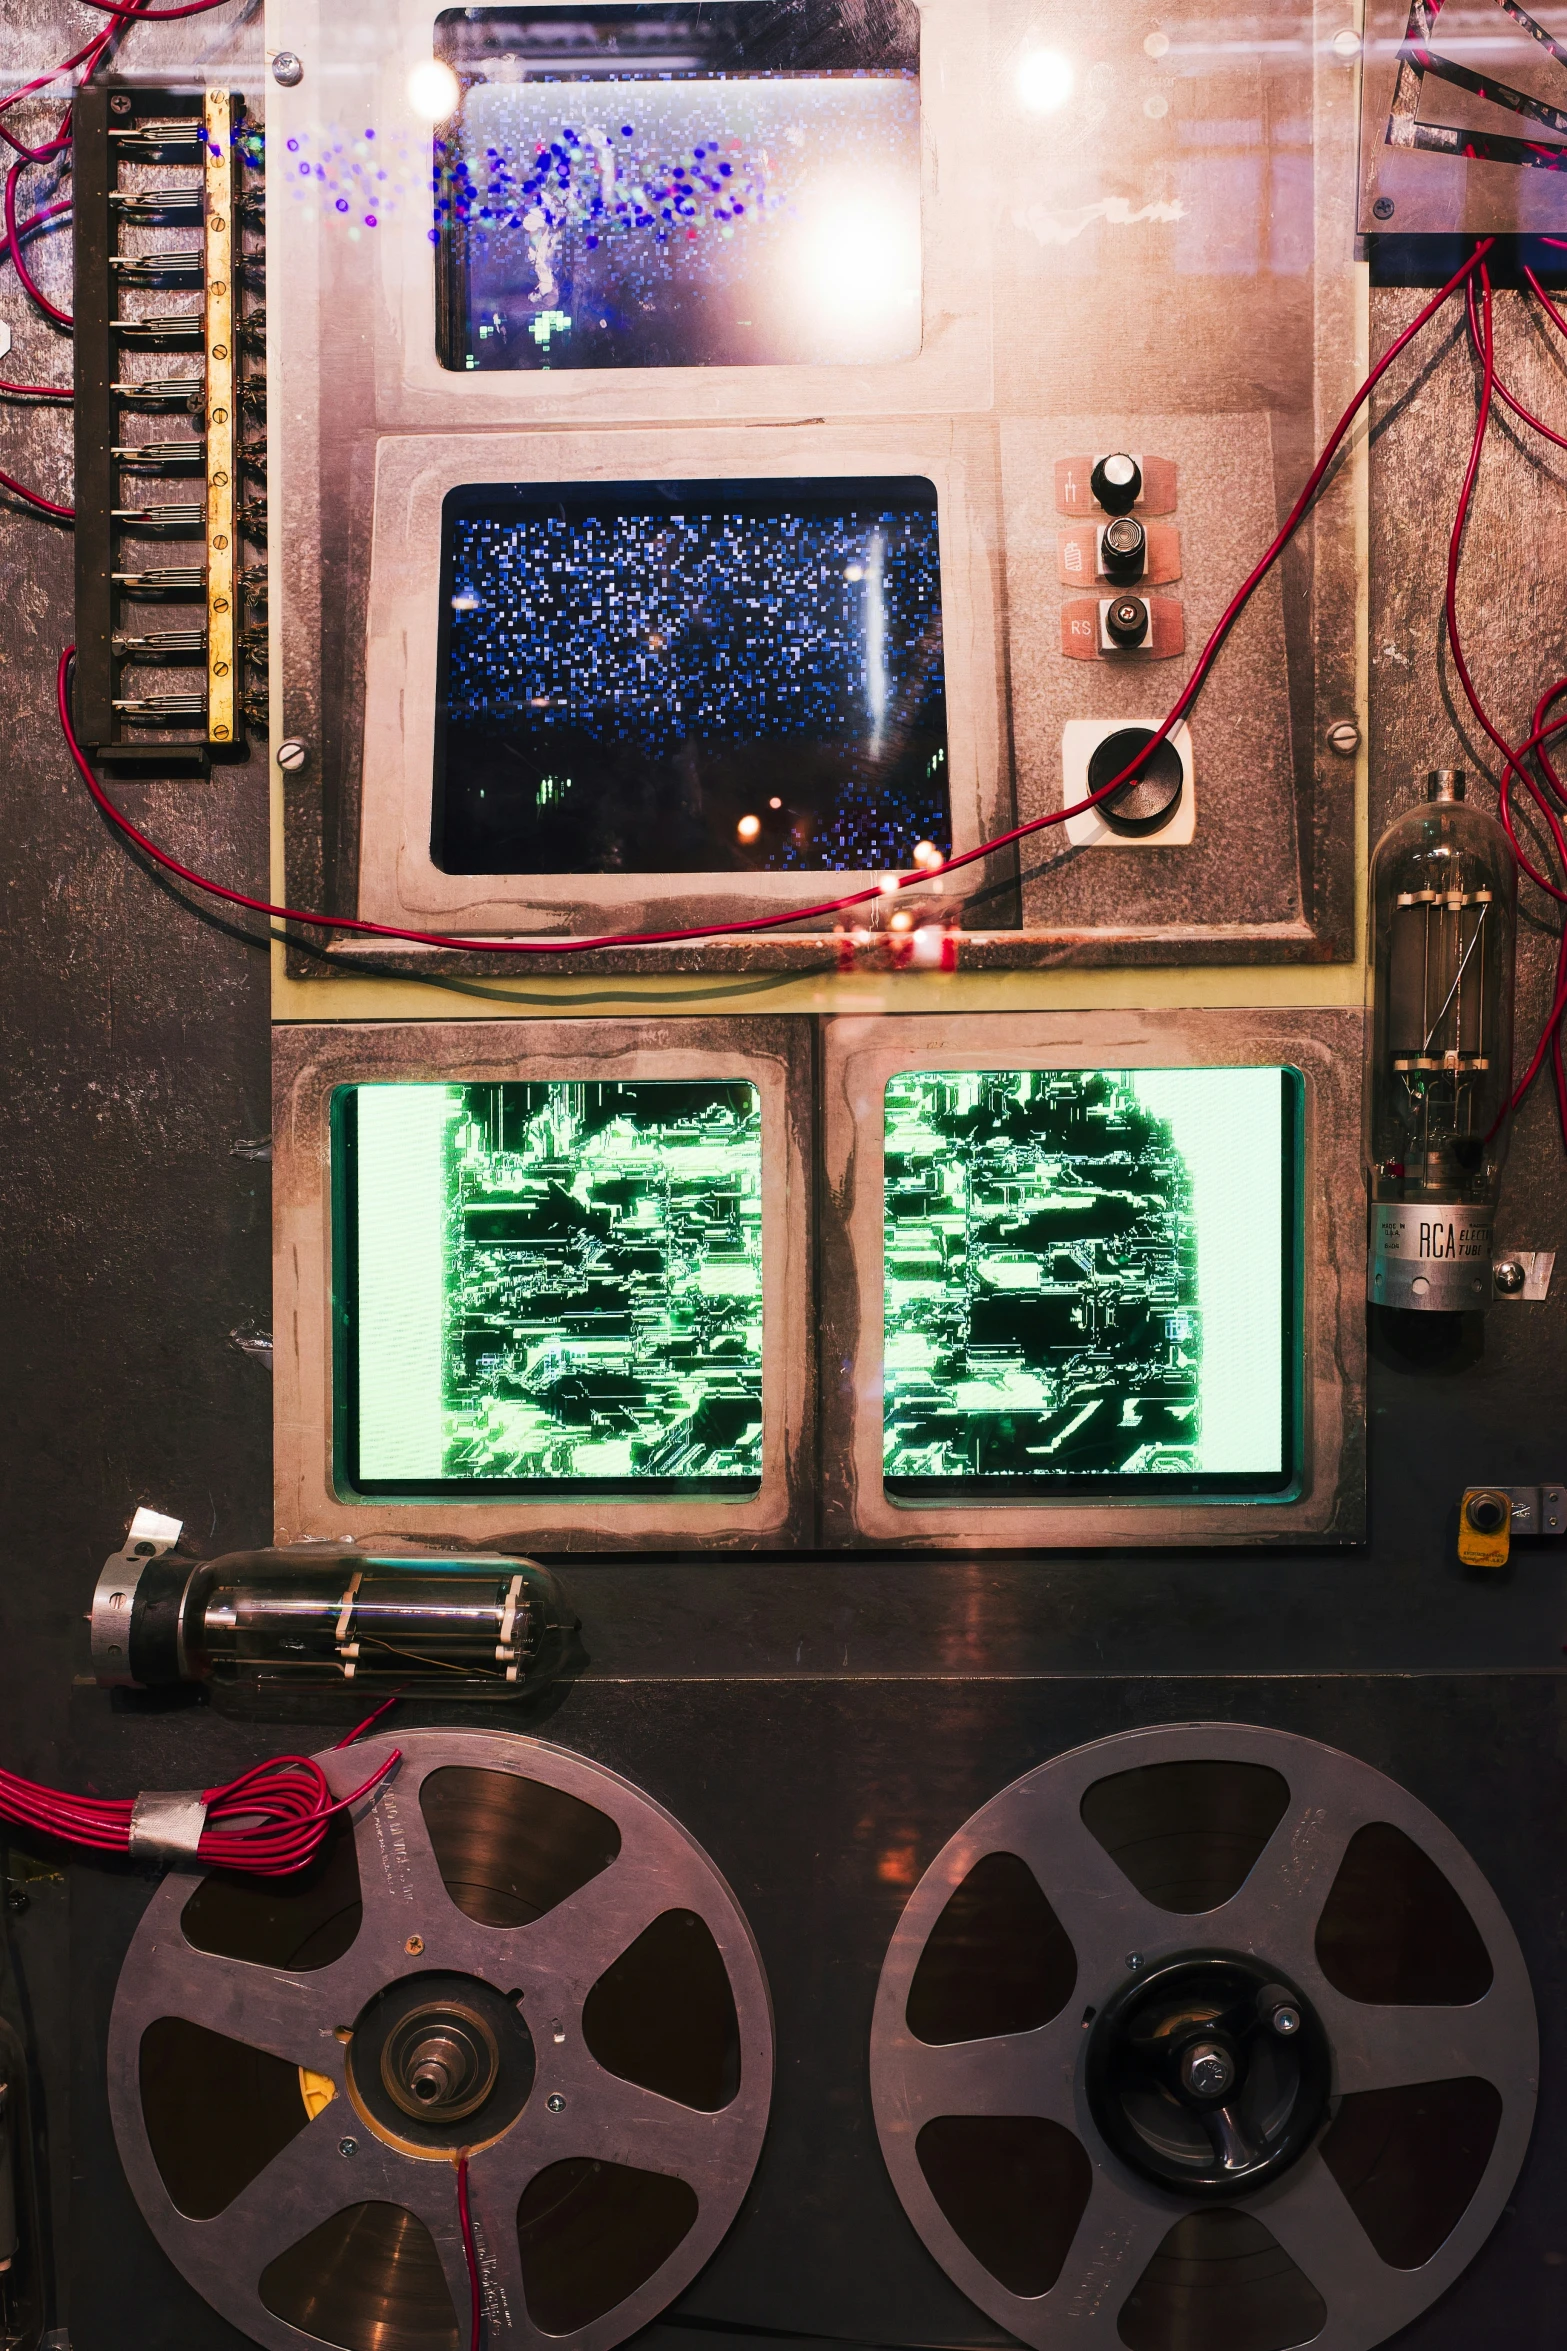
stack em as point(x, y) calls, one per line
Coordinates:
point(325, 1615)
point(1444, 900)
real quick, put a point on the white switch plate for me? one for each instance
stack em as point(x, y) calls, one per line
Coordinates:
point(1080, 739)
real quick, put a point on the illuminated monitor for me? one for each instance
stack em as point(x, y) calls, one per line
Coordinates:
point(690, 677)
point(1090, 1282)
point(549, 1288)
point(680, 186)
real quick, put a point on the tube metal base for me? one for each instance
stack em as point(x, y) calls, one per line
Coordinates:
point(1430, 1256)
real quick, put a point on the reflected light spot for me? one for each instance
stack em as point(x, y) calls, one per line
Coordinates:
point(1045, 81)
point(433, 90)
point(928, 857)
point(749, 827)
point(775, 804)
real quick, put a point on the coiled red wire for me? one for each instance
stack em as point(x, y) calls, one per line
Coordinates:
point(267, 1823)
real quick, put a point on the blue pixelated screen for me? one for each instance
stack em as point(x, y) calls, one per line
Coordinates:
point(680, 186)
point(690, 677)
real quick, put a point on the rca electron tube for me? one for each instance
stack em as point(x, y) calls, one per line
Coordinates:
point(1444, 896)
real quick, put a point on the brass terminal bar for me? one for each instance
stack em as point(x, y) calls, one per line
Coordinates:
point(222, 246)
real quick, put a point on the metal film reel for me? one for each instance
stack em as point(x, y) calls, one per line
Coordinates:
point(1203, 2039)
point(512, 1951)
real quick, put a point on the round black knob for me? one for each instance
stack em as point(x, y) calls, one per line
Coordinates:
point(1194, 2083)
point(1117, 482)
point(1127, 621)
point(1123, 550)
point(1149, 798)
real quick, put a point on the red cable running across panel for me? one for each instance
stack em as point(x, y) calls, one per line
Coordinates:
point(909, 881)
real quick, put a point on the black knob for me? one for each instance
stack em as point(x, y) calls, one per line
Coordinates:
point(1117, 483)
point(1127, 621)
point(1123, 550)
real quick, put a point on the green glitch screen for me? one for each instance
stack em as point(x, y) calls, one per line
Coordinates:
point(548, 1288)
point(1091, 1283)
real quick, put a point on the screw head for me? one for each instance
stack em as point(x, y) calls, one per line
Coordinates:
point(1208, 2071)
point(555, 2102)
point(1383, 208)
point(414, 1945)
point(1285, 2020)
point(1344, 738)
point(288, 71)
point(1347, 43)
point(17, 1899)
point(1509, 1277)
point(119, 105)
point(1134, 1960)
point(291, 756)
point(348, 2146)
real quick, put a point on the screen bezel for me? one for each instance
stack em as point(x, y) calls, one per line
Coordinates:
point(1326, 1501)
point(311, 1061)
point(1281, 1485)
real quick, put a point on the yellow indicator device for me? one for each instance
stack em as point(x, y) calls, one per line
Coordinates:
point(222, 246)
point(1485, 1527)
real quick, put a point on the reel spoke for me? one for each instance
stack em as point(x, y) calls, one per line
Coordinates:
point(1016, 2073)
point(1385, 2048)
point(616, 2122)
point(1315, 2226)
point(1117, 2237)
point(288, 2016)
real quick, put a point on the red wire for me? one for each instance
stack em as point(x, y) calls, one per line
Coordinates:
point(32, 498)
point(574, 946)
point(36, 392)
point(1550, 1039)
point(123, 8)
point(470, 2255)
point(1512, 764)
point(30, 286)
point(1525, 415)
point(281, 1810)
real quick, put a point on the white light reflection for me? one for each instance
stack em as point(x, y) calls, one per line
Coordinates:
point(1045, 81)
point(855, 266)
point(434, 92)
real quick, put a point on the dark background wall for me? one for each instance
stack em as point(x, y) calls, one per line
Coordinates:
point(134, 1209)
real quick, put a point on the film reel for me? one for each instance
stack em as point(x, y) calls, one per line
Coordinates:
point(513, 1951)
point(1203, 2039)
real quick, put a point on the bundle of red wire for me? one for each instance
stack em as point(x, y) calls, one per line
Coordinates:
point(268, 1822)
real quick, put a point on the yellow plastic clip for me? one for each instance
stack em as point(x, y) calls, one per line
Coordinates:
point(1485, 1527)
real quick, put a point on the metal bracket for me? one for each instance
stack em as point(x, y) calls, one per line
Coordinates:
point(1522, 1277)
point(150, 1534)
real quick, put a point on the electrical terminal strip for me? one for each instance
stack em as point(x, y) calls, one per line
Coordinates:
point(213, 199)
